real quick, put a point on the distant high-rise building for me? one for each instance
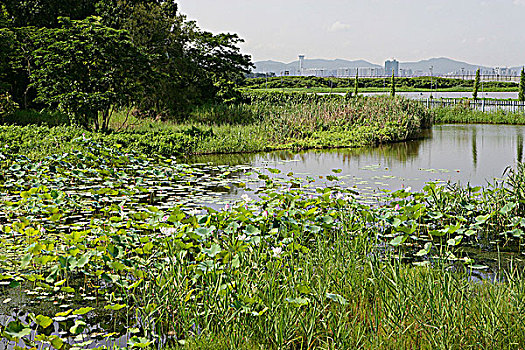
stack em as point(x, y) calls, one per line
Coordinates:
point(301, 64)
point(392, 66)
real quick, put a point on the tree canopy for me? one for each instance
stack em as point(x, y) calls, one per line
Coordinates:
point(84, 56)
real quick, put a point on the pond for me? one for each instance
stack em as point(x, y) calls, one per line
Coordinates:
point(105, 220)
point(451, 94)
point(459, 153)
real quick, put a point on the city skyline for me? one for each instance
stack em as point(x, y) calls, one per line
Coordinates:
point(484, 33)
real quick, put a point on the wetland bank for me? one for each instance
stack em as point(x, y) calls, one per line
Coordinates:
point(119, 230)
point(103, 246)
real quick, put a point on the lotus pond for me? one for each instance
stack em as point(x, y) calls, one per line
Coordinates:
point(105, 249)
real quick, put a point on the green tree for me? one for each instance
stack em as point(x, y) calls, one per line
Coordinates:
point(356, 83)
point(5, 20)
point(45, 13)
point(521, 93)
point(476, 85)
point(87, 69)
point(7, 46)
point(393, 85)
point(188, 66)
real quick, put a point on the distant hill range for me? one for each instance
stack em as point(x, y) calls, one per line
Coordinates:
point(441, 66)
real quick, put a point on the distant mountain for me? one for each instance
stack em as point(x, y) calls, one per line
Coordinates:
point(441, 66)
point(277, 67)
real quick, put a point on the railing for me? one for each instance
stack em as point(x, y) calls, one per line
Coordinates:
point(479, 104)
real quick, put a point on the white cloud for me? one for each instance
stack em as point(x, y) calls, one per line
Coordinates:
point(338, 27)
point(519, 2)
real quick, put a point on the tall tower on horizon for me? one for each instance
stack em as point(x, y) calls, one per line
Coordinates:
point(301, 64)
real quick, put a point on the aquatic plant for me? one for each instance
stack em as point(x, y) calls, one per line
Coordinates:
point(116, 244)
point(268, 121)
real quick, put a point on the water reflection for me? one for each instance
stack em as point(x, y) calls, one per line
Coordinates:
point(474, 148)
point(474, 154)
point(519, 147)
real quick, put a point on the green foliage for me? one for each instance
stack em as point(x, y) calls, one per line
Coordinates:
point(269, 121)
point(416, 83)
point(107, 228)
point(465, 114)
point(356, 83)
point(45, 13)
point(227, 92)
point(23, 117)
point(521, 91)
point(7, 106)
point(185, 65)
point(39, 141)
point(86, 69)
point(7, 46)
point(393, 85)
point(476, 85)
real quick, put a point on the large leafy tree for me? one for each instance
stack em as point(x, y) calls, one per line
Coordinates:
point(193, 66)
point(87, 69)
point(45, 13)
point(186, 66)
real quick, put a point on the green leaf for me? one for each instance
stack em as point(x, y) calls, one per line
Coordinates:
point(26, 260)
point(398, 240)
point(455, 241)
point(78, 327)
point(252, 230)
point(298, 302)
point(83, 260)
point(212, 251)
point(82, 311)
point(425, 250)
point(17, 329)
point(55, 217)
point(337, 298)
point(148, 248)
point(56, 342)
point(482, 219)
point(64, 313)
point(508, 208)
point(43, 321)
point(115, 307)
point(137, 342)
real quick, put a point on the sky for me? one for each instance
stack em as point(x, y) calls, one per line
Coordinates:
point(481, 32)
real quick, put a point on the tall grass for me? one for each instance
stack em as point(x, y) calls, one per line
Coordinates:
point(463, 114)
point(267, 122)
point(385, 303)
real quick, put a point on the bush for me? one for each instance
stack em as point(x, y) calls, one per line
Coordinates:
point(32, 117)
point(7, 105)
point(40, 141)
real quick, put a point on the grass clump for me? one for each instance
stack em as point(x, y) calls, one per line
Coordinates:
point(467, 115)
point(264, 122)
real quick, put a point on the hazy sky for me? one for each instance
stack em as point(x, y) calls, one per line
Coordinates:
point(488, 32)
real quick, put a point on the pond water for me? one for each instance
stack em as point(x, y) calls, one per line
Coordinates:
point(474, 154)
point(450, 94)
point(465, 154)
